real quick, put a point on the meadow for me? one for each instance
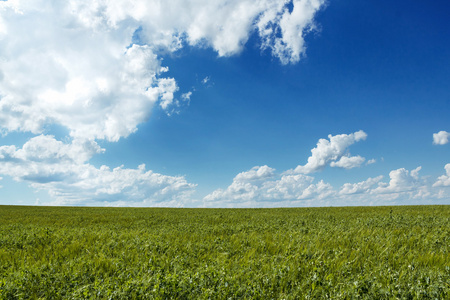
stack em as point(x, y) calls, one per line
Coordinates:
point(163, 253)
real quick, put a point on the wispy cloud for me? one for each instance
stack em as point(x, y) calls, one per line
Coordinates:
point(206, 80)
point(371, 161)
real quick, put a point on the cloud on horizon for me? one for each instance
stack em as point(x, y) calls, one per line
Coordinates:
point(262, 186)
point(63, 170)
point(303, 190)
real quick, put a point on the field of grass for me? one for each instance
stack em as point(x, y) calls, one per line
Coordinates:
point(291, 253)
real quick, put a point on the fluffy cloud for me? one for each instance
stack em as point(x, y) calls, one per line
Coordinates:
point(256, 173)
point(286, 39)
point(96, 65)
point(85, 83)
point(246, 186)
point(333, 152)
point(250, 189)
point(348, 162)
point(296, 187)
point(441, 138)
point(43, 158)
point(401, 180)
point(360, 187)
point(444, 180)
point(63, 171)
point(120, 186)
point(403, 187)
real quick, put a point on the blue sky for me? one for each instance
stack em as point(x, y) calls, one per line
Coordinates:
point(226, 103)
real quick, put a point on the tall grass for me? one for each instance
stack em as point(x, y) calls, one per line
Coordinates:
point(300, 253)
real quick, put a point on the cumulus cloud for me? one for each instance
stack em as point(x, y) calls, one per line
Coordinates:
point(404, 187)
point(283, 32)
point(401, 180)
point(441, 138)
point(256, 173)
point(444, 180)
point(333, 152)
point(360, 187)
point(96, 65)
point(261, 184)
point(63, 171)
point(45, 158)
point(245, 186)
point(348, 162)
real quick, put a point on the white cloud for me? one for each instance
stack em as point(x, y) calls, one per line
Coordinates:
point(401, 180)
point(43, 158)
point(85, 80)
point(404, 187)
point(132, 186)
point(441, 138)
point(283, 32)
point(332, 152)
point(348, 162)
point(371, 161)
point(295, 188)
point(444, 180)
point(63, 171)
point(89, 77)
point(186, 96)
point(256, 173)
point(262, 185)
point(360, 187)
point(245, 186)
point(206, 79)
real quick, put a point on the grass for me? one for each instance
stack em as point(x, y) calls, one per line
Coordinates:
point(291, 253)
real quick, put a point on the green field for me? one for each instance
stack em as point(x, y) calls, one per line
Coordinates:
point(291, 253)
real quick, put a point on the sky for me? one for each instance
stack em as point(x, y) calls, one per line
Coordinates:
point(237, 103)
